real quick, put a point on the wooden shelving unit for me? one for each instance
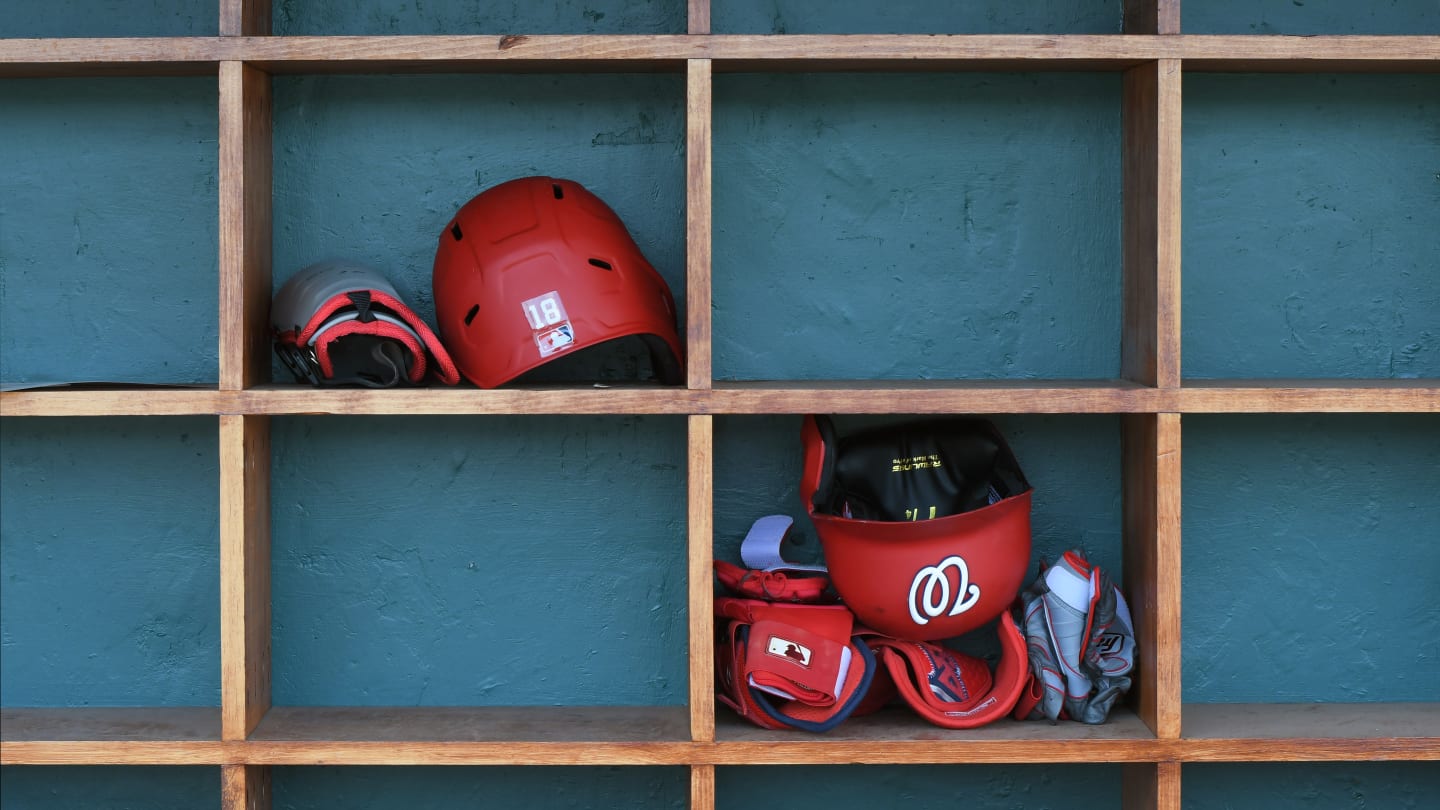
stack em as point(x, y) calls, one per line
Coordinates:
point(1153, 734)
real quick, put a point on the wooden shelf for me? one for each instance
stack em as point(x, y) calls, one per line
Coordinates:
point(130, 56)
point(1277, 732)
point(144, 56)
point(648, 735)
point(110, 736)
point(1313, 54)
point(936, 396)
point(539, 735)
point(898, 736)
point(769, 397)
point(113, 401)
point(1317, 396)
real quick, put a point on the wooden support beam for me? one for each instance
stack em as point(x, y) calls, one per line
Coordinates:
point(700, 495)
point(1152, 16)
point(1150, 345)
point(1151, 486)
point(1151, 786)
point(698, 112)
point(245, 18)
point(699, 17)
point(702, 787)
point(245, 190)
point(244, 573)
point(245, 787)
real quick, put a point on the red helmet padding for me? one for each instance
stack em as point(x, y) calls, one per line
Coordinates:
point(444, 368)
point(919, 580)
point(328, 301)
point(531, 237)
point(918, 670)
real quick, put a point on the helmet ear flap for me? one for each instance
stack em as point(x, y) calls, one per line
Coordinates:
point(916, 667)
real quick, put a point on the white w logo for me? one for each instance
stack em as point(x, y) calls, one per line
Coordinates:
point(932, 587)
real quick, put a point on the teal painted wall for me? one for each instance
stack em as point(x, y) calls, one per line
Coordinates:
point(991, 787)
point(1333, 786)
point(110, 18)
point(109, 562)
point(378, 17)
point(113, 788)
point(1310, 565)
point(457, 788)
point(1309, 17)
point(108, 230)
point(931, 226)
point(916, 17)
point(491, 561)
point(1311, 214)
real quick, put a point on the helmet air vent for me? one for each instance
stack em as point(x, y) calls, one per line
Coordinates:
point(601, 263)
point(470, 316)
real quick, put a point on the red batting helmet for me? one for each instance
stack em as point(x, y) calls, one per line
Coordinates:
point(537, 268)
point(925, 526)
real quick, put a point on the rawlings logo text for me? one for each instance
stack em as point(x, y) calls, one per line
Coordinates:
point(932, 587)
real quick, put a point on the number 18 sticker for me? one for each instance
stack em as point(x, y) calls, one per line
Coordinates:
point(549, 323)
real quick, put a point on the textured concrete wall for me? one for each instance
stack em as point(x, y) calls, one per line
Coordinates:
point(943, 226)
point(458, 788)
point(1312, 226)
point(1310, 17)
point(110, 18)
point(496, 561)
point(1310, 563)
point(916, 17)
point(1335, 786)
point(108, 230)
point(88, 787)
point(378, 17)
point(989, 787)
point(109, 576)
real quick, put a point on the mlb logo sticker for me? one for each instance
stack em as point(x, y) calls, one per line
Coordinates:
point(554, 340)
point(784, 648)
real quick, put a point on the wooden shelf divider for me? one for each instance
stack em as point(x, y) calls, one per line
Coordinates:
point(750, 397)
point(245, 787)
point(700, 522)
point(698, 126)
point(244, 573)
